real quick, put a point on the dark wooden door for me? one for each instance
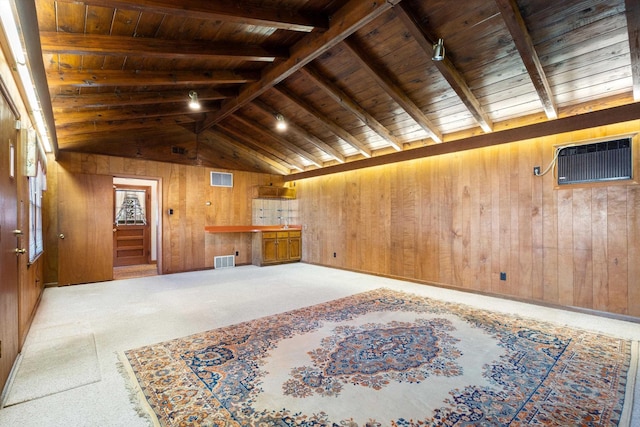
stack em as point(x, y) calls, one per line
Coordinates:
point(9, 239)
point(85, 252)
point(131, 229)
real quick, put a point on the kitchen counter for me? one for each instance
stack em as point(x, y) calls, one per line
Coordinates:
point(248, 228)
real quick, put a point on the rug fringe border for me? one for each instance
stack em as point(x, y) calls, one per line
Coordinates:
point(136, 395)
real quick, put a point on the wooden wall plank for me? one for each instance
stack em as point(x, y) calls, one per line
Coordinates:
point(599, 218)
point(617, 250)
point(633, 237)
point(565, 248)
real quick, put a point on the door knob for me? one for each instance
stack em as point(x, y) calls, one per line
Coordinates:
point(61, 236)
point(17, 232)
point(20, 251)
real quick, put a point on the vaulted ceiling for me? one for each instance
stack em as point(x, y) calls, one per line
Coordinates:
point(353, 79)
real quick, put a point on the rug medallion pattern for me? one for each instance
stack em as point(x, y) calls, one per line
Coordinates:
point(386, 358)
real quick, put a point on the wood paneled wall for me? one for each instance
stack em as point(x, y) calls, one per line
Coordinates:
point(461, 219)
point(184, 246)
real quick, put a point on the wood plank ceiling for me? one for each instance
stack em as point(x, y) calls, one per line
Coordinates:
point(352, 79)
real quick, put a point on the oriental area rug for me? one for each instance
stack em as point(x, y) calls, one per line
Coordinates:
point(387, 358)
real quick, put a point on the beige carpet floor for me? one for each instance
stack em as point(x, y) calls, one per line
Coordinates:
point(130, 313)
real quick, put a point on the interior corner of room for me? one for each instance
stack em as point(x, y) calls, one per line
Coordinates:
point(492, 150)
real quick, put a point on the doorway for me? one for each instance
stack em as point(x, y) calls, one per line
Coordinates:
point(131, 225)
point(135, 227)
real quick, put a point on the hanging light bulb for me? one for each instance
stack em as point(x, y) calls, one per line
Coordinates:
point(194, 104)
point(281, 123)
point(438, 51)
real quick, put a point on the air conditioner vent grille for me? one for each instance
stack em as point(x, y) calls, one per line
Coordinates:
point(224, 261)
point(600, 161)
point(221, 179)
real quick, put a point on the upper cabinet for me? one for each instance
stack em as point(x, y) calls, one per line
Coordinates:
point(274, 192)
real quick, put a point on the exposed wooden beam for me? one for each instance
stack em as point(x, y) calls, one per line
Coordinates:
point(339, 96)
point(633, 27)
point(94, 115)
point(446, 67)
point(589, 120)
point(384, 80)
point(301, 133)
point(211, 137)
point(147, 78)
point(243, 137)
point(98, 44)
point(261, 131)
point(518, 29)
point(348, 19)
point(106, 100)
point(326, 121)
point(65, 133)
point(220, 10)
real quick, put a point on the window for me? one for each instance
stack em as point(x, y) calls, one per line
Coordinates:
point(37, 184)
point(130, 207)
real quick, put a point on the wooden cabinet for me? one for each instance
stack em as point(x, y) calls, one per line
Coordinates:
point(276, 247)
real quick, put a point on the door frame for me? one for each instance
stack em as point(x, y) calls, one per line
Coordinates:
point(156, 217)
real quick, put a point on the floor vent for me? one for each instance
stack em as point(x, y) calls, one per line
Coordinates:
point(600, 161)
point(224, 261)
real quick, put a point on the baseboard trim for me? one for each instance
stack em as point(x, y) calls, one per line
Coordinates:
point(10, 379)
point(573, 309)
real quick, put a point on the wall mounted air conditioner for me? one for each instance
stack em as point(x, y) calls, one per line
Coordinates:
point(596, 162)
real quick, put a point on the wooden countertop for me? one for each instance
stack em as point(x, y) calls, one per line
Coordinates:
point(248, 228)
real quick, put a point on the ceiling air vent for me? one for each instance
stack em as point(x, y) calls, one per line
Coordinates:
point(221, 179)
point(600, 161)
point(178, 150)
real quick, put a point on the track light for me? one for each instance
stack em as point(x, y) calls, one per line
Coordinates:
point(438, 51)
point(193, 100)
point(281, 123)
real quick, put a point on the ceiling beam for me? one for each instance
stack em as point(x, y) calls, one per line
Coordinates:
point(633, 27)
point(522, 39)
point(301, 133)
point(65, 133)
point(446, 67)
point(211, 137)
point(348, 19)
point(220, 10)
point(99, 44)
point(94, 115)
point(104, 78)
point(587, 120)
point(384, 80)
point(107, 100)
point(259, 130)
point(339, 96)
point(332, 126)
point(273, 153)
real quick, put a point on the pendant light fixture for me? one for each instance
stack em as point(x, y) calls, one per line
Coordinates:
point(438, 51)
point(194, 104)
point(281, 123)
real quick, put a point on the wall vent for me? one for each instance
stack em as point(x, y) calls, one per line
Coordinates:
point(600, 161)
point(178, 150)
point(224, 261)
point(221, 179)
